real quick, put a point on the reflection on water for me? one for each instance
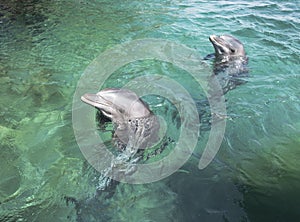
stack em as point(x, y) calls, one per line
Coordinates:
point(46, 46)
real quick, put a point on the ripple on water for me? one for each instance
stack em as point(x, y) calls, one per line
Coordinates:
point(46, 46)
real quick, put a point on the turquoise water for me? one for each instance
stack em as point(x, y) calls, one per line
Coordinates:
point(46, 46)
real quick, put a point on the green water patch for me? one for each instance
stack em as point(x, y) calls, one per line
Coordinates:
point(263, 158)
point(268, 175)
point(10, 174)
point(46, 46)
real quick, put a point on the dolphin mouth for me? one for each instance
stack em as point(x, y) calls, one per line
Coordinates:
point(98, 102)
point(213, 39)
point(221, 46)
point(94, 100)
point(218, 44)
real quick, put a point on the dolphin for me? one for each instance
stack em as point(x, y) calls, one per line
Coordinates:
point(230, 61)
point(136, 127)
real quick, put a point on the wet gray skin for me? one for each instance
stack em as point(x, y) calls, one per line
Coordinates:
point(230, 61)
point(118, 104)
point(227, 45)
point(135, 125)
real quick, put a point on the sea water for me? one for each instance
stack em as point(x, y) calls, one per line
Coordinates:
point(46, 46)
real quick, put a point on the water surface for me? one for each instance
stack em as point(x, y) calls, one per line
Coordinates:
point(46, 46)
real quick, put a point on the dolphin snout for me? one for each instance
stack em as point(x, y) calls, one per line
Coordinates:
point(212, 37)
point(90, 99)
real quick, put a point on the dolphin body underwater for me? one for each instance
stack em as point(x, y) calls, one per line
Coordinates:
point(230, 61)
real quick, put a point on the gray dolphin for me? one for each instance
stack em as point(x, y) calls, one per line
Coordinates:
point(136, 127)
point(230, 61)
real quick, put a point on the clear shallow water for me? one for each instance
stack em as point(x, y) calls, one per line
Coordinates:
point(45, 47)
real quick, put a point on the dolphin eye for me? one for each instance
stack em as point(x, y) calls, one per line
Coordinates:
point(232, 50)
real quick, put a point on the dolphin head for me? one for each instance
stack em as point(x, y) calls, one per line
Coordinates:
point(118, 104)
point(135, 123)
point(227, 45)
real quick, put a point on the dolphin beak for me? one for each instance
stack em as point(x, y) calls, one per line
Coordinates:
point(90, 99)
point(117, 103)
point(100, 103)
point(212, 38)
point(215, 40)
point(96, 101)
point(218, 44)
